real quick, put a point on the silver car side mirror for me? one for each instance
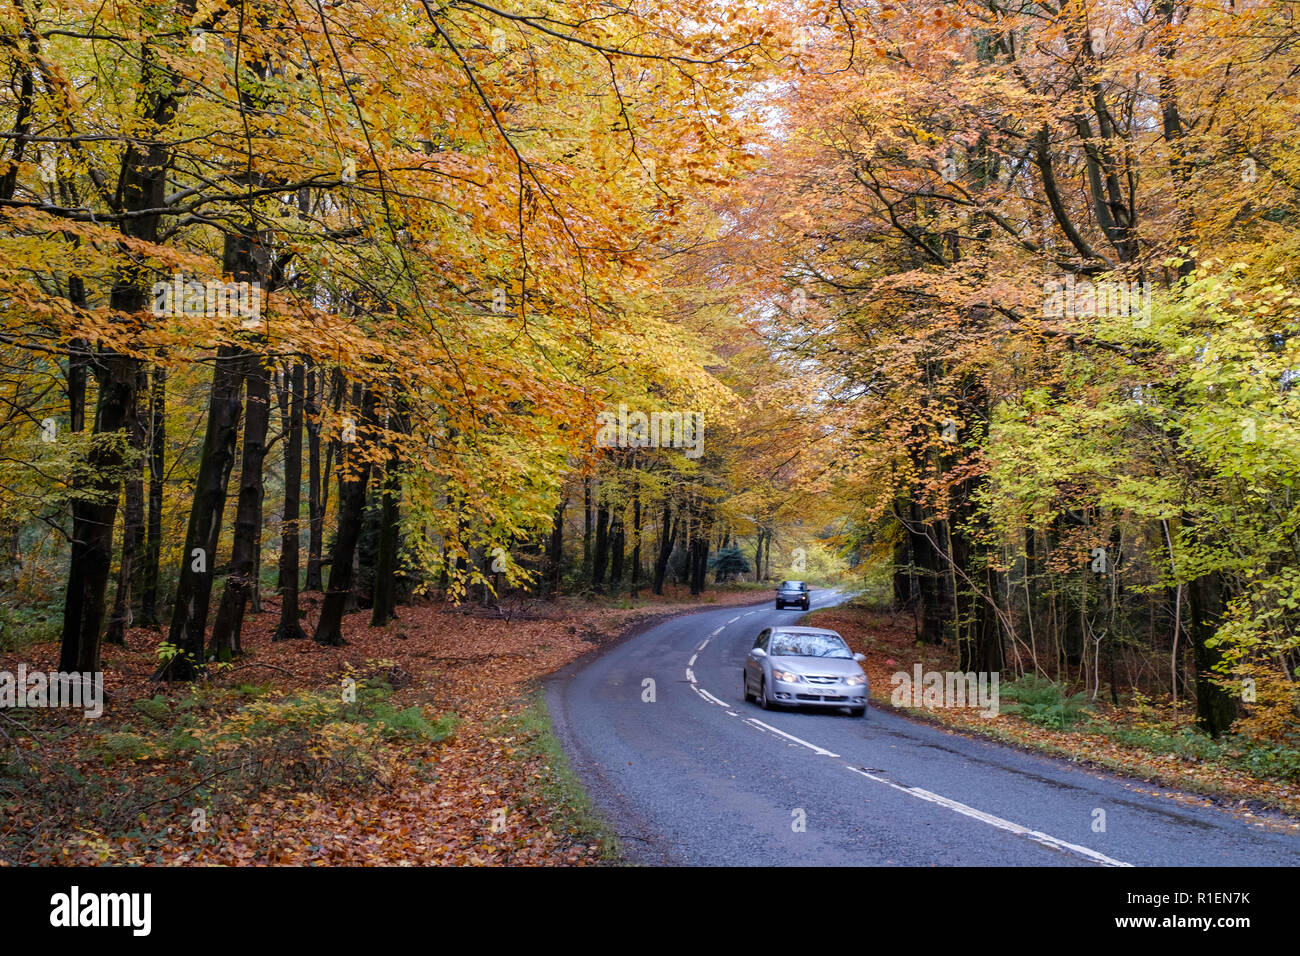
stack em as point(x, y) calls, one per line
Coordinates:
point(758, 652)
point(859, 657)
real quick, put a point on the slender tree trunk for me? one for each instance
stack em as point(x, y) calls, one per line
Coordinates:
point(636, 542)
point(618, 547)
point(78, 367)
point(586, 527)
point(668, 532)
point(133, 523)
point(384, 594)
point(229, 623)
point(290, 627)
point(315, 502)
point(555, 550)
point(700, 564)
point(600, 559)
point(157, 462)
point(353, 479)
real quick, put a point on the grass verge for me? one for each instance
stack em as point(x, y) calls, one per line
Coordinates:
point(558, 786)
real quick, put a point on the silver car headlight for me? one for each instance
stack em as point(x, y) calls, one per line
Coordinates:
point(788, 676)
point(856, 681)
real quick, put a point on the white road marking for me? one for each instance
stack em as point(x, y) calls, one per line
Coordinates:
point(734, 619)
point(709, 697)
point(691, 662)
point(791, 737)
point(704, 645)
point(690, 675)
point(717, 632)
point(748, 613)
point(1035, 835)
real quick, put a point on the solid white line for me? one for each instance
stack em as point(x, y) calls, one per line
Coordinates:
point(1035, 835)
point(690, 675)
point(792, 737)
point(709, 697)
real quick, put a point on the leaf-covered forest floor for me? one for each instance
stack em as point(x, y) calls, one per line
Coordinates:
point(1144, 737)
point(442, 757)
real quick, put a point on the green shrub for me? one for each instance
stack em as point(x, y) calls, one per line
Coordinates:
point(1043, 702)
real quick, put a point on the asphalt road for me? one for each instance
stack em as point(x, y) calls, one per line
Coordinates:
point(700, 777)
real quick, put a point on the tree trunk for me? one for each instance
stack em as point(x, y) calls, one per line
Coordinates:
point(229, 623)
point(290, 627)
point(198, 559)
point(636, 542)
point(555, 551)
point(932, 571)
point(384, 593)
point(600, 559)
point(700, 562)
point(618, 547)
point(315, 505)
point(979, 630)
point(668, 532)
point(133, 523)
point(354, 476)
point(586, 527)
point(157, 461)
point(1216, 708)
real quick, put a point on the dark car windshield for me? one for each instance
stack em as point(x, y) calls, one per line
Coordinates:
point(792, 585)
point(809, 645)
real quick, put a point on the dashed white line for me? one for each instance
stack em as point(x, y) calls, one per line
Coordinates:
point(790, 737)
point(691, 662)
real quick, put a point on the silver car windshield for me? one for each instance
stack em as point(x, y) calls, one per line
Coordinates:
point(809, 645)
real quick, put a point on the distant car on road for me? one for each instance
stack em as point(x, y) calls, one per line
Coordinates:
point(805, 666)
point(792, 592)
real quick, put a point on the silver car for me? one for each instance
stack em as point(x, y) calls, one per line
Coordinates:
point(805, 667)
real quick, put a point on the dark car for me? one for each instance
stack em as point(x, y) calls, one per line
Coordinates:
point(792, 592)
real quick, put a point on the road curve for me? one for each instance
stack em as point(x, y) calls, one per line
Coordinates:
point(700, 777)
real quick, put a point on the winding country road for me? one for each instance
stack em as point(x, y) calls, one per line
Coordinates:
point(700, 777)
